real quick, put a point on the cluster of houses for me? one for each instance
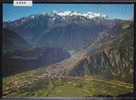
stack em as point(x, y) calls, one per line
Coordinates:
point(54, 75)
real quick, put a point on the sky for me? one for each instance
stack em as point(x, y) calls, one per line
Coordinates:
point(113, 11)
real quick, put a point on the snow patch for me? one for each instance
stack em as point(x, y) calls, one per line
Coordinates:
point(88, 14)
point(32, 17)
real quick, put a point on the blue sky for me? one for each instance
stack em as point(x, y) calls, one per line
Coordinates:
point(121, 11)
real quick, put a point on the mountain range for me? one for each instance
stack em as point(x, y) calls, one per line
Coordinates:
point(69, 29)
point(81, 43)
point(68, 54)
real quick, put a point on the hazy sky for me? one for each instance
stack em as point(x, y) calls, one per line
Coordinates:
point(122, 11)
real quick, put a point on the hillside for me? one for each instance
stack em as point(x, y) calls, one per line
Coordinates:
point(28, 84)
point(33, 58)
point(113, 60)
point(12, 41)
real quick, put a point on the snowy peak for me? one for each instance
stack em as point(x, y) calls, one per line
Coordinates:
point(89, 15)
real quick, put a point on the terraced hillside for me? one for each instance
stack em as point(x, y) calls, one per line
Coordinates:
point(28, 84)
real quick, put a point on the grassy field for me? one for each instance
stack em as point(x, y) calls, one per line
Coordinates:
point(28, 84)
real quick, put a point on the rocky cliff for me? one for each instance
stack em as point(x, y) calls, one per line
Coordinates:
point(113, 60)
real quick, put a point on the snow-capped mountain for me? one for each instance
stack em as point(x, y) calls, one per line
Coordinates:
point(69, 29)
point(54, 14)
point(74, 13)
point(87, 41)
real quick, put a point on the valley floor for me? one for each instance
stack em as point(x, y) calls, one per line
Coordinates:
point(28, 84)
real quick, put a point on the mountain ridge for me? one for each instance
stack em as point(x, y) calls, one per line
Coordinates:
point(73, 31)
